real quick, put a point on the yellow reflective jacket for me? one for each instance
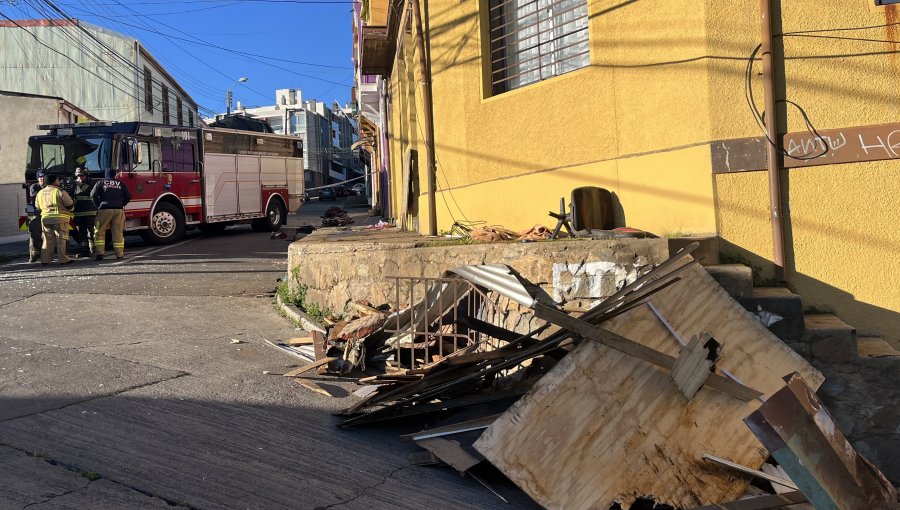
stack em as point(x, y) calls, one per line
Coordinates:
point(55, 205)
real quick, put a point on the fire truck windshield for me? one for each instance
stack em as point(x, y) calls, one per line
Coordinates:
point(98, 154)
point(62, 156)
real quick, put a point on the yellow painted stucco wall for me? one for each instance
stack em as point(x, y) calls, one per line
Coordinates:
point(666, 78)
point(508, 159)
point(842, 222)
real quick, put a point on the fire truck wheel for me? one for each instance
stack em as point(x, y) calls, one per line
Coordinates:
point(274, 219)
point(166, 225)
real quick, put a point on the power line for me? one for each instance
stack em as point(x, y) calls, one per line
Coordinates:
point(200, 42)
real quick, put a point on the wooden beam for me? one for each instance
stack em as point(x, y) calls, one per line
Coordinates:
point(307, 368)
point(630, 347)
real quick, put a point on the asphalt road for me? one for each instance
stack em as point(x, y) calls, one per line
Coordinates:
point(121, 387)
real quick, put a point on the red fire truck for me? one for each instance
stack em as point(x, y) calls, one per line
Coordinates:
point(180, 177)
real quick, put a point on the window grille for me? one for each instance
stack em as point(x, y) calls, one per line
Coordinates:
point(148, 90)
point(533, 40)
point(191, 118)
point(165, 104)
point(179, 115)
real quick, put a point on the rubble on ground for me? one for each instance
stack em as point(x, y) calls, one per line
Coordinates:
point(336, 217)
point(668, 394)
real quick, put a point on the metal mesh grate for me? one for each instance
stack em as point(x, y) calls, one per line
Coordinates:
point(532, 40)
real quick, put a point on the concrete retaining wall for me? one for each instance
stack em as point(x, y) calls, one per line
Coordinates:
point(339, 268)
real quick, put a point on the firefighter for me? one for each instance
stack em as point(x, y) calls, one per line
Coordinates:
point(34, 219)
point(56, 211)
point(85, 212)
point(110, 196)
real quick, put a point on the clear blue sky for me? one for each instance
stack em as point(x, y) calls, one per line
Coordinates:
point(275, 32)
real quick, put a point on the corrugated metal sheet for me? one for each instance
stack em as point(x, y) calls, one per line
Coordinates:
point(498, 278)
point(91, 78)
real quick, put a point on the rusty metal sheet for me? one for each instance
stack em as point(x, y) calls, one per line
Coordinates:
point(802, 436)
point(826, 147)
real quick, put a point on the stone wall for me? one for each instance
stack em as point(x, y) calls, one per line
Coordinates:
point(339, 268)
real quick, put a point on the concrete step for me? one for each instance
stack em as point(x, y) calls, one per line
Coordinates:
point(708, 252)
point(778, 309)
point(875, 347)
point(736, 279)
point(830, 339)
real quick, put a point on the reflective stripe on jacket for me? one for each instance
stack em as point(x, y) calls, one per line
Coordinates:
point(55, 205)
point(84, 204)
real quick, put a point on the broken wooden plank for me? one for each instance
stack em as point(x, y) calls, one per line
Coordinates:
point(802, 436)
point(424, 458)
point(363, 308)
point(778, 472)
point(759, 502)
point(304, 340)
point(450, 452)
point(695, 362)
point(456, 428)
point(602, 426)
point(312, 386)
point(307, 368)
point(366, 390)
point(784, 482)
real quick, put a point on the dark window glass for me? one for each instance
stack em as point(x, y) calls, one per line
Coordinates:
point(165, 104)
point(148, 90)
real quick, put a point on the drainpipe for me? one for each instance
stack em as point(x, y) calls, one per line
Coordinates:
point(425, 78)
point(772, 153)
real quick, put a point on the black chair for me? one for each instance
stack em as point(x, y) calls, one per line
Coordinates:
point(590, 209)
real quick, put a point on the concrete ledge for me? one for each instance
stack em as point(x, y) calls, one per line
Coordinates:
point(296, 314)
point(342, 266)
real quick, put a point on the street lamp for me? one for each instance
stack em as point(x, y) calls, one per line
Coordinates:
point(228, 94)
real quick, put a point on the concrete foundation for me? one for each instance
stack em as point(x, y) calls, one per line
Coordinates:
point(343, 266)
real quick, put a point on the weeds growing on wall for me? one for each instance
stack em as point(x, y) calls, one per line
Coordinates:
point(298, 297)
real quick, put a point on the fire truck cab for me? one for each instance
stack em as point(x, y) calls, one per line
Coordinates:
point(179, 177)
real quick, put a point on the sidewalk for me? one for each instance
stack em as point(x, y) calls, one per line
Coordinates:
point(12, 246)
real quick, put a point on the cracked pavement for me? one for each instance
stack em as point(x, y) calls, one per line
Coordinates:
point(120, 388)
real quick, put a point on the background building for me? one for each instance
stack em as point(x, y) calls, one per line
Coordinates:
point(328, 134)
point(109, 75)
point(22, 113)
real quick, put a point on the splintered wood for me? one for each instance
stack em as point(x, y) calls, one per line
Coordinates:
point(603, 426)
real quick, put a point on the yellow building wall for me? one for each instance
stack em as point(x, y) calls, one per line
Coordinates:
point(842, 222)
point(666, 78)
point(534, 144)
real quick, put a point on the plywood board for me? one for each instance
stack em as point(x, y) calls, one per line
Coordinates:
point(603, 426)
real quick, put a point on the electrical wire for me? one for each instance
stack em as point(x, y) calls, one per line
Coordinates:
point(128, 79)
point(759, 117)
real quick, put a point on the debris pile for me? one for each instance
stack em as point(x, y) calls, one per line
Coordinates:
point(667, 392)
point(494, 234)
point(336, 217)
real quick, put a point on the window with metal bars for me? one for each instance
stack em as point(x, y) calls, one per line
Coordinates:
point(533, 40)
point(165, 104)
point(148, 90)
point(178, 108)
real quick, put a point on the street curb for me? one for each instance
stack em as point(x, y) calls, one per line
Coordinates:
point(294, 313)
